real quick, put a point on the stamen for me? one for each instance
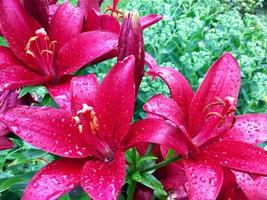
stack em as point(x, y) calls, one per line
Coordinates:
point(46, 51)
point(77, 119)
point(80, 127)
point(213, 113)
point(85, 109)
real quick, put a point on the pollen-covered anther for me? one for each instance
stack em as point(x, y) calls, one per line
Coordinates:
point(114, 12)
point(77, 119)
point(28, 45)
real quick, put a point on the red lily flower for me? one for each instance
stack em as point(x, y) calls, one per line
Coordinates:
point(131, 43)
point(37, 57)
point(8, 99)
point(95, 130)
point(94, 20)
point(215, 136)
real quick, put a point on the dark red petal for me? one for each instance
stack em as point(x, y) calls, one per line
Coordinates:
point(7, 57)
point(65, 24)
point(85, 48)
point(158, 132)
point(83, 91)
point(17, 27)
point(236, 155)
point(131, 43)
point(143, 193)
point(150, 61)
point(205, 179)
point(87, 5)
point(179, 87)
point(149, 20)
point(16, 76)
point(39, 10)
point(167, 108)
point(5, 143)
point(114, 103)
point(49, 129)
point(249, 128)
point(54, 180)
point(98, 21)
point(103, 180)
point(221, 80)
point(174, 179)
point(61, 94)
point(229, 186)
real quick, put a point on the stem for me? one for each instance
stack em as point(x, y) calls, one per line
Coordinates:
point(149, 149)
point(162, 164)
point(131, 190)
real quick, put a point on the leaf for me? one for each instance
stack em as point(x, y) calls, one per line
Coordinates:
point(39, 91)
point(150, 181)
point(7, 183)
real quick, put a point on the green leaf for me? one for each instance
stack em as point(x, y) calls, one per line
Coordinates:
point(136, 176)
point(150, 181)
point(40, 91)
point(65, 197)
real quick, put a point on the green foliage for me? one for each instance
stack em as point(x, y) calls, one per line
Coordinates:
point(193, 34)
point(244, 6)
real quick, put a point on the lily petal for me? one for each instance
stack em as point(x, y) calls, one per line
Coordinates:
point(150, 61)
point(7, 57)
point(83, 90)
point(158, 132)
point(39, 10)
point(222, 80)
point(18, 27)
point(103, 180)
point(167, 108)
point(85, 48)
point(5, 143)
point(149, 20)
point(174, 179)
point(236, 155)
point(16, 76)
point(180, 89)
point(52, 130)
point(98, 21)
point(253, 188)
point(205, 179)
point(61, 94)
point(114, 104)
point(54, 180)
point(249, 128)
point(87, 5)
point(65, 24)
point(131, 43)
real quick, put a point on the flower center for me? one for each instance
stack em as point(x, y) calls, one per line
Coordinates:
point(42, 50)
point(226, 111)
point(86, 119)
point(219, 118)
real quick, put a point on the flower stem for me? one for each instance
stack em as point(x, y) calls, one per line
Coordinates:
point(162, 164)
point(149, 149)
point(131, 190)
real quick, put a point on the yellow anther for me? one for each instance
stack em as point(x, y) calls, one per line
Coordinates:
point(30, 53)
point(76, 119)
point(28, 45)
point(80, 127)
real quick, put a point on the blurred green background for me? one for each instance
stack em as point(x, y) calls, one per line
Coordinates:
point(191, 36)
